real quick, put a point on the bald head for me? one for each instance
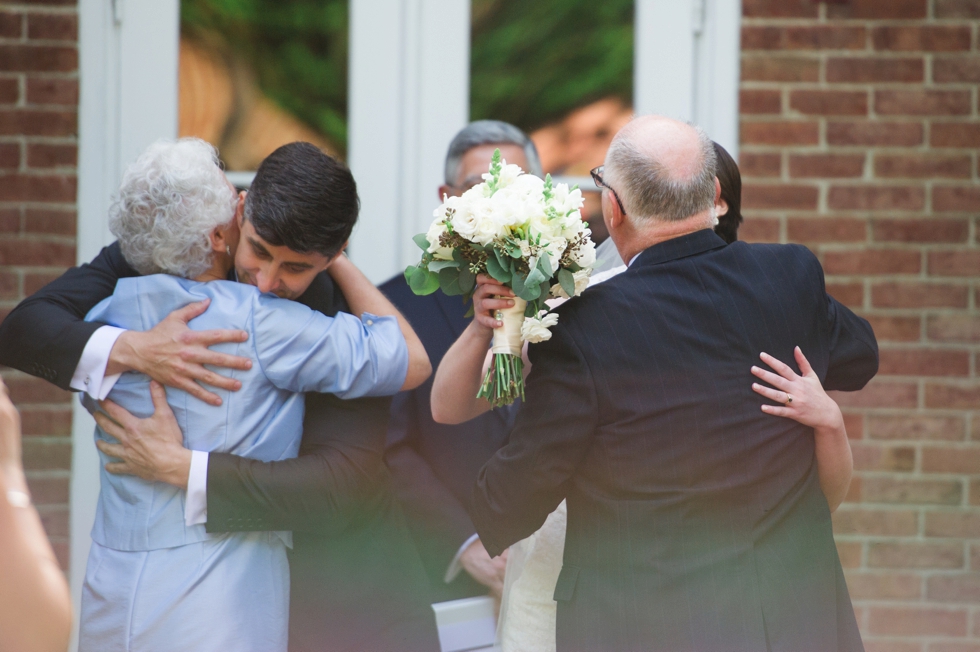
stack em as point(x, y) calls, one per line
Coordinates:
point(662, 168)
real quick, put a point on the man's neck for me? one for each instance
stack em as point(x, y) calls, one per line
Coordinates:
point(637, 240)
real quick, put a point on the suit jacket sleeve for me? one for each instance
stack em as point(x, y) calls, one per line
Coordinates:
point(439, 522)
point(526, 479)
point(337, 478)
point(853, 349)
point(46, 333)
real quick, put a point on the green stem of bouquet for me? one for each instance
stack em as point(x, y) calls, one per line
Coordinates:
point(504, 382)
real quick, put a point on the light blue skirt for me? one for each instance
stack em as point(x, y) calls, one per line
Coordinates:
point(230, 592)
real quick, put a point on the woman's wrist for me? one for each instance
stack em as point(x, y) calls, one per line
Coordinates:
point(833, 426)
point(479, 332)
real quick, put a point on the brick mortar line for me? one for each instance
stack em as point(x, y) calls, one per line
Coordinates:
point(39, 42)
point(26, 8)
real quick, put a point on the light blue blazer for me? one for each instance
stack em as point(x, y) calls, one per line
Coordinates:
point(293, 349)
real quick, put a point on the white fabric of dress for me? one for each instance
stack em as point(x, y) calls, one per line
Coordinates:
point(528, 609)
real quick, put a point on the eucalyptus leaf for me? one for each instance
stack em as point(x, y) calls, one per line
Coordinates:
point(544, 264)
point(467, 280)
point(431, 284)
point(449, 282)
point(536, 277)
point(526, 289)
point(532, 309)
point(422, 241)
point(545, 291)
point(422, 282)
point(497, 271)
point(502, 257)
point(517, 285)
point(439, 265)
point(567, 281)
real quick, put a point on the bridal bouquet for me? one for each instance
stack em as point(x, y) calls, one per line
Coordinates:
point(527, 234)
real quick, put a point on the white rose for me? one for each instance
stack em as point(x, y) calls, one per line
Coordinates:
point(464, 221)
point(487, 230)
point(548, 229)
point(581, 283)
point(536, 329)
point(436, 231)
point(528, 185)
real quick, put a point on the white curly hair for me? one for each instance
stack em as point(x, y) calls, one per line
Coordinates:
point(170, 200)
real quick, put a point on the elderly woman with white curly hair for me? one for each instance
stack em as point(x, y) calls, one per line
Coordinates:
point(153, 582)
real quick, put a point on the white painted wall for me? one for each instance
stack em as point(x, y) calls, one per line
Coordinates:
point(128, 52)
point(408, 96)
point(686, 63)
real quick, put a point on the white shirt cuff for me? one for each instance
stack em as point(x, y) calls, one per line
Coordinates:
point(89, 376)
point(196, 504)
point(454, 566)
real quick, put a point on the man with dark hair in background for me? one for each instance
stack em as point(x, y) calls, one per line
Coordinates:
point(356, 579)
point(433, 465)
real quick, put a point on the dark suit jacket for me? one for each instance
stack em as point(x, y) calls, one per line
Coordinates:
point(434, 465)
point(357, 581)
point(696, 522)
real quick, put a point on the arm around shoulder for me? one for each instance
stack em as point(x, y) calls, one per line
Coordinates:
point(46, 334)
point(363, 296)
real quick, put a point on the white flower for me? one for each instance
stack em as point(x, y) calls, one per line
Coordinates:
point(536, 329)
point(573, 201)
point(464, 219)
point(487, 229)
point(527, 185)
point(509, 174)
point(581, 282)
point(584, 256)
point(436, 231)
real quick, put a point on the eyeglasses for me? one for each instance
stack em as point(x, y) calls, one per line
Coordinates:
point(597, 177)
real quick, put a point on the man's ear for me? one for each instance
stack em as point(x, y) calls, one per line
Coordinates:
point(717, 191)
point(611, 213)
point(443, 191)
point(240, 208)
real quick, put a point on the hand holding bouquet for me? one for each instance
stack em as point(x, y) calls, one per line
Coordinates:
point(528, 235)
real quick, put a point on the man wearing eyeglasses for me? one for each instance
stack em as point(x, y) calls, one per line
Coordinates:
point(434, 465)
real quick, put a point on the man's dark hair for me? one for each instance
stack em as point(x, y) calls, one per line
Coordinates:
point(304, 200)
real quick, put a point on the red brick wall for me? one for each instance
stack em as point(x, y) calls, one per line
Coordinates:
point(38, 153)
point(860, 131)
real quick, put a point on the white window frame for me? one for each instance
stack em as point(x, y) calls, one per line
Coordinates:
point(128, 58)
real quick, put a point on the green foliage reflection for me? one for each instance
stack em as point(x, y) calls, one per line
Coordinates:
point(532, 62)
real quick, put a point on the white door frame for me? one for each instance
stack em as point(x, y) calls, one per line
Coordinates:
point(686, 63)
point(128, 57)
point(409, 94)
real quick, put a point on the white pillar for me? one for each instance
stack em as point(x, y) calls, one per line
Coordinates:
point(128, 52)
point(408, 96)
point(686, 63)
